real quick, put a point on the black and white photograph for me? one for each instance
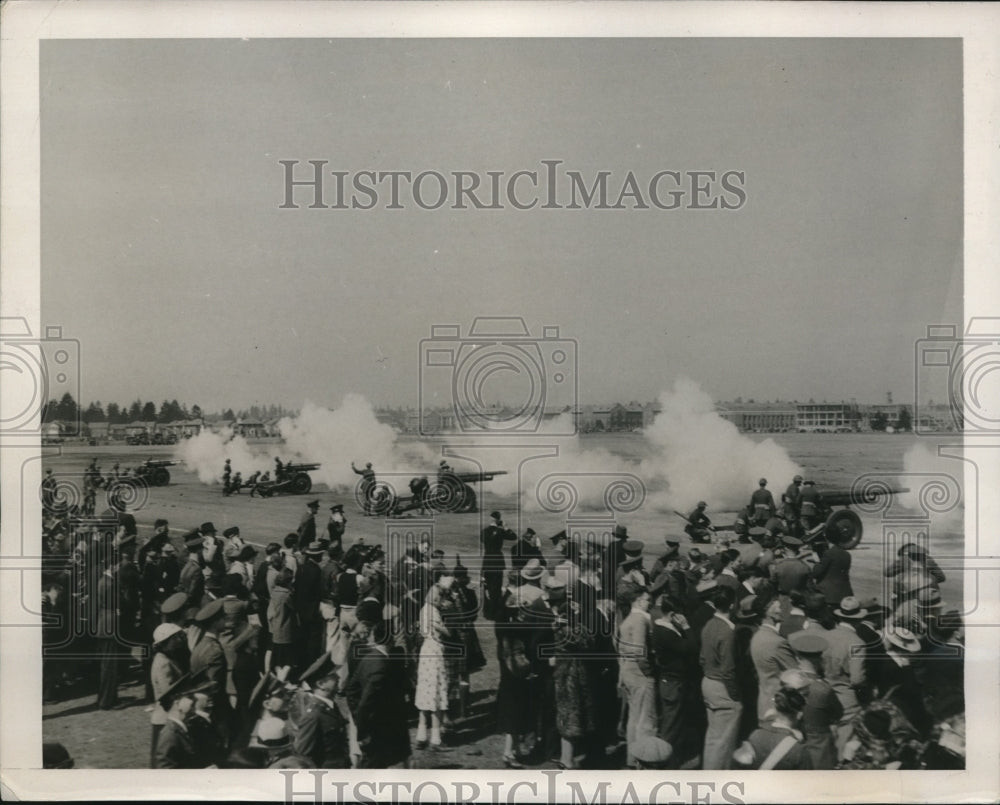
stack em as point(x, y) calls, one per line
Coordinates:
point(439, 402)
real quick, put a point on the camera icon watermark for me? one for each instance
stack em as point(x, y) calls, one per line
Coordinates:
point(35, 372)
point(967, 368)
point(497, 380)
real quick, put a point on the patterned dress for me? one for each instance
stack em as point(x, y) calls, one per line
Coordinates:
point(433, 668)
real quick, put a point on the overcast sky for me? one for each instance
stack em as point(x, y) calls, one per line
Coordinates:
point(165, 252)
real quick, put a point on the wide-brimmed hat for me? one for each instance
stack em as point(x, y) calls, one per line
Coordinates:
point(174, 603)
point(533, 570)
point(903, 639)
point(621, 532)
point(209, 612)
point(651, 751)
point(748, 608)
point(795, 679)
point(790, 541)
point(193, 540)
point(273, 733)
point(633, 548)
point(232, 531)
point(929, 598)
point(313, 549)
point(207, 528)
point(850, 609)
point(164, 632)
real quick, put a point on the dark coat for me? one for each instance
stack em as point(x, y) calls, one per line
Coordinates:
point(192, 582)
point(174, 749)
point(209, 659)
point(322, 736)
point(307, 529)
point(376, 694)
point(832, 574)
point(308, 591)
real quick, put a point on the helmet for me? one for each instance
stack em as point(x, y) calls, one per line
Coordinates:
point(797, 479)
point(762, 482)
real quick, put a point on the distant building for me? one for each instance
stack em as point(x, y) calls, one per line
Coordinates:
point(775, 417)
point(827, 417)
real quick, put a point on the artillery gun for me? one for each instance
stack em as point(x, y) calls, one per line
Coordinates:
point(843, 524)
point(293, 480)
point(452, 492)
point(154, 472)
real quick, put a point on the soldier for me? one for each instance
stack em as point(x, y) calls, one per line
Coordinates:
point(279, 469)
point(237, 483)
point(494, 563)
point(252, 482)
point(335, 531)
point(226, 474)
point(699, 527)
point(526, 548)
point(762, 503)
point(367, 485)
point(791, 499)
point(809, 499)
point(191, 581)
point(322, 735)
point(307, 525)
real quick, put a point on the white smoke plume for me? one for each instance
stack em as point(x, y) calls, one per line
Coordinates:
point(935, 482)
point(701, 456)
point(350, 433)
point(206, 453)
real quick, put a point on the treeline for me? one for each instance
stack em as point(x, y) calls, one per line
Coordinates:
point(68, 410)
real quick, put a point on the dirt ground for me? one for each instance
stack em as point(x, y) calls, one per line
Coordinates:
point(120, 738)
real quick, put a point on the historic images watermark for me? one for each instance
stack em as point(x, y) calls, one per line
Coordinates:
point(312, 184)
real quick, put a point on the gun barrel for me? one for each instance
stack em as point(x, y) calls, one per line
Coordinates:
point(845, 497)
point(471, 477)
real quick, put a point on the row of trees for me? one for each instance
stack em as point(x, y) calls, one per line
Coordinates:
point(903, 422)
point(68, 410)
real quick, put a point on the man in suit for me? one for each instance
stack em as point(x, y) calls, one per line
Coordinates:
point(307, 595)
point(832, 572)
point(494, 563)
point(307, 525)
point(771, 655)
point(174, 747)
point(636, 672)
point(719, 686)
point(376, 694)
point(112, 649)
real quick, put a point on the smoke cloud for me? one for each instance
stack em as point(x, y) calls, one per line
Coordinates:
point(206, 453)
point(936, 486)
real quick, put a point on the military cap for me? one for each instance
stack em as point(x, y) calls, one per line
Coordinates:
point(209, 611)
point(652, 751)
point(673, 541)
point(174, 603)
point(807, 641)
point(762, 482)
point(207, 528)
point(186, 685)
point(232, 531)
point(496, 515)
point(757, 531)
point(231, 605)
point(312, 504)
point(369, 611)
point(701, 504)
point(620, 532)
point(797, 478)
point(557, 538)
point(788, 539)
point(633, 547)
point(529, 532)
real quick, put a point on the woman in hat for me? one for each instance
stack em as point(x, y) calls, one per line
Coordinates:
point(434, 666)
point(242, 565)
point(515, 712)
point(466, 612)
point(170, 662)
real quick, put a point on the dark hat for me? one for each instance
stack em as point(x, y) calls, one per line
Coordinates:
point(209, 612)
point(461, 571)
point(174, 603)
point(557, 538)
point(321, 668)
point(186, 685)
point(701, 504)
point(911, 548)
point(809, 483)
point(696, 556)
point(790, 541)
point(232, 531)
point(851, 609)
point(533, 570)
point(762, 482)
point(495, 515)
point(246, 552)
point(929, 597)
point(757, 531)
point(807, 641)
point(369, 611)
point(314, 549)
point(620, 532)
point(312, 504)
point(673, 541)
point(633, 548)
point(207, 528)
point(797, 478)
point(193, 540)
point(55, 755)
point(529, 532)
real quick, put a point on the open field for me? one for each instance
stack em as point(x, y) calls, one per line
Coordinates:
point(120, 738)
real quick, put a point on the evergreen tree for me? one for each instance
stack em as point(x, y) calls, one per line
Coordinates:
point(905, 421)
point(148, 412)
point(114, 414)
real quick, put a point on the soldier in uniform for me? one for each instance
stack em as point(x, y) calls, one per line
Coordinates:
point(762, 503)
point(322, 735)
point(174, 748)
point(307, 525)
point(227, 472)
point(367, 485)
point(809, 499)
point(191, 581)
point(494, 563)
point(791, 499)
point(699, 527)
point(335, 531)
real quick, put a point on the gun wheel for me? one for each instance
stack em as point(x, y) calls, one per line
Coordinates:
point(161, 476)
point(845, 526)
point(301, 484)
